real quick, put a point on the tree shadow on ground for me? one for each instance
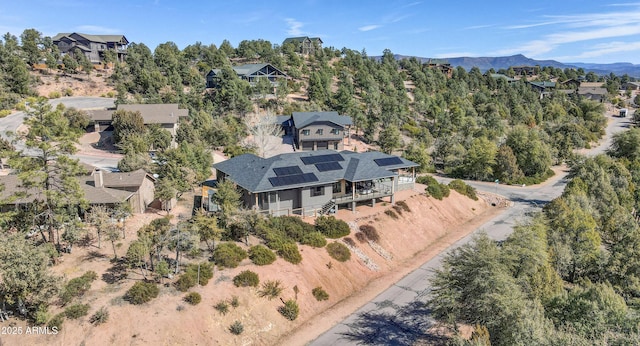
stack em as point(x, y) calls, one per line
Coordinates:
point(93, 255)
point(116, 273)
point(407, 325)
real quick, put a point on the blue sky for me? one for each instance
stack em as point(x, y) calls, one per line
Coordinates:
point(563, 30)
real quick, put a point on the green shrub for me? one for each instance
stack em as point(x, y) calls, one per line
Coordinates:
point(202, 271)
point(76, 311)
point(246, 278)
point(222, 307)
point(289, 252)
point(314, 239)
point(289, 310)
point(193, 298)
point(56, 321)
point(349, 241)
point(438, 191)
point(370, 232)
point(142, 292)
point(260, 255)
point(101, 316)
point(426, 180)
point(185, 282)
point(4, 113)
point(228, 255)
point(77, 287)
point(462, 188)
point(54, 95)
point(236, 328)
point(271, 289)
point(338, 251)
point(332, 227)
point(320, 294)
point(67, 92)
point(291, 227)
point(42, 315)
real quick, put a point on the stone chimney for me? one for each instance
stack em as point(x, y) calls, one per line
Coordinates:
point(98, 179)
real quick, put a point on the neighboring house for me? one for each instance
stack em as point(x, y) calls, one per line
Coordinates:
point(166, 115)
point(319, 130)
point(630, 86)
point(441, 65)
point(524, 70)
point(312, 183)
point(508, 79)
point(305, 45)
point(93, 46)
point(249, 72)
point(543, 88)
point(100, 188)
point(592, 93)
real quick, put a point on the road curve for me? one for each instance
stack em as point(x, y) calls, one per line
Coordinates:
point(398, 316)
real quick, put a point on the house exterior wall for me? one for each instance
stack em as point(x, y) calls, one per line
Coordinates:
point(315, 136)
point(310, 201)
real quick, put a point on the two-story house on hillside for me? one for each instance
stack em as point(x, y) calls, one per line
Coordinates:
point(93, 46)
point(313, 183)
point(319, 130)
point(252, 73)
point(304, 45)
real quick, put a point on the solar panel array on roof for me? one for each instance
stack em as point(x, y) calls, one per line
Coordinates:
point(288, 170)
point(310, 160)
point(328, 166)
point(293, 179)
point(388, 161)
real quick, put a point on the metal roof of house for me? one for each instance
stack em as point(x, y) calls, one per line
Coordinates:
point(303, 119)
point(256, 174)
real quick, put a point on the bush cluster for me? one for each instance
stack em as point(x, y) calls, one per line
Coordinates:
point(76, 311)
point(370, 232)
point(228, 255)
point(142, 292)
point(332, 227)
point(193, 298)
point(261, 255)
point(462, 188)
point(290, 253)
point(426, 180)
point(314, 239)
point(338, 251)
point(391, 214)
point(404, 206)
point(56, 321)
point(222, 307)
point(77, 287)
point(190, 277)
point(246, 278)
point(320, 294)
point(438, 191)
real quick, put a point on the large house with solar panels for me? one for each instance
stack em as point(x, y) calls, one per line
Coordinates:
point(318, 182)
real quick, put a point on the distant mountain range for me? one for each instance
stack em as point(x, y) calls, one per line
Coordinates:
point(504, 62)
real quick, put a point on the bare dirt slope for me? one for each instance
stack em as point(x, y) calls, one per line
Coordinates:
point(406, 242)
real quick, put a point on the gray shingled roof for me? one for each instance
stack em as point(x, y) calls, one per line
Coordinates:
point(252, 172)
point(92, 38)
point(125, 179)
point(167, 113)
point(303, 119)
point(246, 69)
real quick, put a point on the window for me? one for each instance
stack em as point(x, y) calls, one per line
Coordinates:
point(319, 131)
point(305, 132)
point(335, 131)
point(317, 191)
point(337, 187)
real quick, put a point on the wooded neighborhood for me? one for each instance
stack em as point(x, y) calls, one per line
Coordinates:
point(205, 197)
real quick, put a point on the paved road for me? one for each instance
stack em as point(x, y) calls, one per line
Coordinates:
point(398, 315)
point(11, 123)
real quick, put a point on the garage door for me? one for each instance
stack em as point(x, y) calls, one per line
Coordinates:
point(323, 145)
point(307, 146)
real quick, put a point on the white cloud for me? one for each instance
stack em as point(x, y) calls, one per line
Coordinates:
point(94, 29)
point(368, 27)
point(294, 27)
point(603, 50)
point(478, 27)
